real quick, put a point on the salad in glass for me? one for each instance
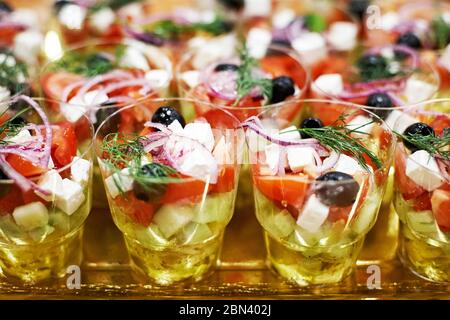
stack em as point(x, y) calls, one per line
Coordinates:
point(171, 188)
point(422, 190)
point(45, 189)
point(14, 75)
point(318, 188)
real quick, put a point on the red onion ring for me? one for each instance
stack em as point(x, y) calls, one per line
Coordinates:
point(397, 47)
point(443, 164)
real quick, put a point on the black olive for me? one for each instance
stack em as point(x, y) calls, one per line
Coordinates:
point(104, 112)
point(342, 193)
point(282, 87)
point(166, 115)
point(3, 176)
point(358, 8)
point(5, 7)
point(226, 67)
point(372, 66)
point(417, 128)
point(310, 123)
point(409, 39)
point(57, 6)
point(233, 4)
point(382, 102)
point(149, 190)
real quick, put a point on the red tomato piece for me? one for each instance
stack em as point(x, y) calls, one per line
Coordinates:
point(226, 180)
point(53, 84)
point(190, 190)
point(408, 188)
point(440, 203)
point(64, 144)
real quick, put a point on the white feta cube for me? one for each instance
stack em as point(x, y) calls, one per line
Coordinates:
point(102, 19)
point(159, 78)
point(51, 182)
point(282, 18)
point(389, 20)
point(213, 50)
point(31, 216)
point(71, 112)
point(313, 215)
point(71, 197)
point(423, 169)
point(444, 60)
point(80, 170)
point(348, 165)
point(274, 155)
point(4, 96)
point(343, 35)
point(28, 17)
point(258, 41)
point(256, 143)
point(22, 136)
point(202, 132)
point(362, 124)
point(191, 78)
point(290, 133)
point(257, 8)
point(27, 45)
point(72, 16)
point(134, 58)
point(329, 84)
point(199, 165)
point(399, 121)
point(300, 157)
point(176, 127)
point(119, 182)
point(80, 105)
point(417, 90)
point(310, 46)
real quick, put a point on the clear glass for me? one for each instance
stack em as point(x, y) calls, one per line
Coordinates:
point(329, 254)
point(423, 211)
point(45, 250)
point(179, 236)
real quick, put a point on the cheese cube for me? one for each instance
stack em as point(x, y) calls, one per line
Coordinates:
point(72, 112)
point(158, 78)
point(27, 45)
point(50, 181)
point(348, 165)
point(343, 35)
point(176, 127)
point(31, 216)
point(259, 8)
point(200, 166)
point(300, 157)
point(22, 136)
point(213, 50)
point(258, 41)
point(119, 182)
point(202, 132)
point(191, 78)
point(444, 60)
point(134, 58)
point(4, 95)
point(417, 90)
point(290, 133)
point(80, 105)
point(80, 170)
point(313, 215)
point(282, 18)
point(362, 124)
point(72, 16)
point(71, 197)
point(273, 157)
point(311, 47)
point(329, 84)
point(103, 19)
point(389, 20)
point(399, 121)
point(423, 169)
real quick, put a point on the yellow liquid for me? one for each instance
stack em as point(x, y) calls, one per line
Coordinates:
point(37, 262)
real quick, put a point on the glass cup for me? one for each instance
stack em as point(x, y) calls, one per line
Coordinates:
point(325, 249)
point(422, 202)
point(174, 233)
point(41, 228)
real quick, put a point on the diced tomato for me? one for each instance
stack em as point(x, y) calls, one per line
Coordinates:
point(31, 196)
point(422, 202)
point(218, 119)
point(64, 144)
point(190, 190)
point(440, 203)
point(283, 65)
point(24, 167)
point(10, 200)
point(7, 35)
point(408, 188)
point(53, 84)
point(440, 123)
point(288, 189)
point(329, 65)
point(226, 180)
point(139, 211)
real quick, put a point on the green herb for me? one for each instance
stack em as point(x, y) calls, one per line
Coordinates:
point(441, 32)
point(371, 68)
point(113, 4)
point(436, 146)
point(246, 81)
point(10, 128)
point(87, 64)
point(338, 138)
point(315, 22)
point(13, 73)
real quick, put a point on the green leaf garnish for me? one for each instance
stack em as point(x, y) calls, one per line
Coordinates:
point(378, 71)
point(12, 76)
point(9, 128)
point(440, 32)
point(246, 81)
point(86, 64)
point(315, 22)
point(438, 147)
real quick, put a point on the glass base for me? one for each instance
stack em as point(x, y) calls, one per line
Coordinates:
point(43, 261)
point(427, 259)
point(100, 200)
point(166, 265)
point(312, 266)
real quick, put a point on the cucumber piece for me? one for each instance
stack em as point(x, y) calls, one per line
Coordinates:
point(60, 221)
point(282, 224)
point(9, 229)
point(195, 233)
point(216, 208)
point(151, 236)
point(40, 234)
point(172, 218)
point(421, 222)
point(365, 218)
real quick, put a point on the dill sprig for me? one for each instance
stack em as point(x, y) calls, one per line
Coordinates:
point(246, 81)
point(87, 64)
point(338, 138)
point(11, 128)
point(441, 32)
point(12, 75)
point(438, 147)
